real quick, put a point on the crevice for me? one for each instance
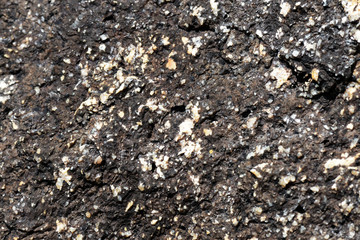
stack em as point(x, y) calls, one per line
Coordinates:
point(246, 113)
point(179, 108)
point(212, 117)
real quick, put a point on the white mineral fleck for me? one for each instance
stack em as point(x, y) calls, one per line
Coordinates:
point(354, 143)
point(256, 173)
point(63, 176)
point(195, 113)
point(14, 125)
point(257, 210)
point(259, 33)
point(61, 225)
point(315, 189)
point(121, 114)
point(3, 99)
point(197, 13)
point(115, 190)
point(185, 40)
point(104, 97)
point(346, 206)
point(344, 161)
point(192, 50)
point(195, 180)
point(98, 125)
point(102, 47)
point(281, 74)
point(285, 8)
point(350, 90)
point(352, 8)
point(171, 64)
point(185, 128)
point(315, 74)
point(207, 131)
point(281, 149)
point(120, 76)
point(351, 109)
point(167, 124)
point(129, 205)
point(151, 103)
point(7, 87)
point(189, 147)
point(251, 123)
point(250, 155)
point(352, 229)
point(334, 186)
point(295, 53)
point(309, 46)
point(284, 180)
point(165, 41)
point(98, 160)
point(285, 231)
point(79, 237)
point(214, 7)
point(37, 90)
point(104, 37)
point(141, 186)
point(126, 234)
point(311, 22)
point(357, 35)
point(89, 102)
point(65, 160)
point(67, 60)
point(279, 33)
point(107, 66)
point(234, 221)
point(84, 72)
point(262, 50)
point(161, 162)
point(350, 126)
point(25, 43)
point(260, 150)
point(145, 164)
point(260, 166)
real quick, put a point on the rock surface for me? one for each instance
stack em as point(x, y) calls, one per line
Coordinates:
point(179, 119)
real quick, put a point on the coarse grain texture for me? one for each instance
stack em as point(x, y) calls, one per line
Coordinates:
point(179, 119)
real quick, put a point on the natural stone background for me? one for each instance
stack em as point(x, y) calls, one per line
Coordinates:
point(179, 119)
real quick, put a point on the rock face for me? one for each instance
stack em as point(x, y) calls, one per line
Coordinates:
point(179, 119)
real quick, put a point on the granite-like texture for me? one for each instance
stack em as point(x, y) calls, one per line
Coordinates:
point(179, 119)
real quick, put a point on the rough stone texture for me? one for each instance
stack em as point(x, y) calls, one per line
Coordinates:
point(169, 119)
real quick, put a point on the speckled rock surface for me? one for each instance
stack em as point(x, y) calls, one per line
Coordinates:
point(169, 119)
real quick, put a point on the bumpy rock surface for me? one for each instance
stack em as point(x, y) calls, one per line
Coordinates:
point(179, 119)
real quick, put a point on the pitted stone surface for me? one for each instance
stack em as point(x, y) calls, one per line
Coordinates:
point(170, 119)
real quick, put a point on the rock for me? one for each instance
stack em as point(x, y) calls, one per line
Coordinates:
point(179, 119)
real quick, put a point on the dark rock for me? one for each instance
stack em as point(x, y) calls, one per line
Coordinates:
point(179, 119)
